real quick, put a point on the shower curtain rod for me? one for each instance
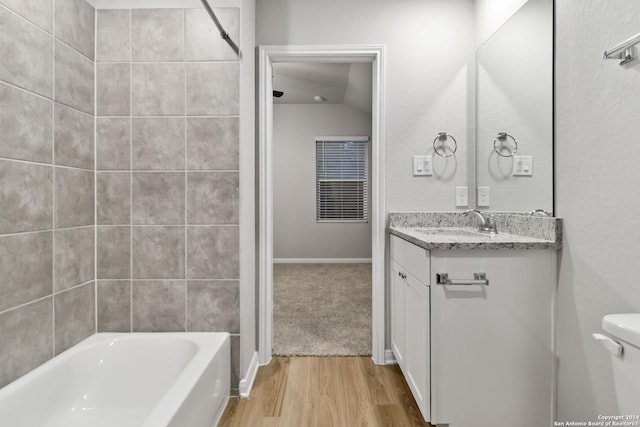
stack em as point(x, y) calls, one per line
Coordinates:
point(223, 34)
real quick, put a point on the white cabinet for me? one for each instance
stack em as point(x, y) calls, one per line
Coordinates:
point(474, 354)
point(410, 318)
point(492, 346)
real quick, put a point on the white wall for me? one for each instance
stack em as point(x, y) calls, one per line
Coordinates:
point(597, 151)
point(429, 78)
point(248, 282)
point(296, 234)
point(491, 14)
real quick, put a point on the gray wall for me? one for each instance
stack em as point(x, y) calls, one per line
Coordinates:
point(428, 75)
point(296, 234)
point(168, 173)
point(597, 105)
point(47, 292)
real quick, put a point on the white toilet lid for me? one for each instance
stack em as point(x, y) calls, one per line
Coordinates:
point(625, 327)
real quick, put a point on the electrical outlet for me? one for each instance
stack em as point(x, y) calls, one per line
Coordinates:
point(462, 196)
point(483, 196)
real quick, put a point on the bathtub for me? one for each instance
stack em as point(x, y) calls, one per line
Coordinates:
point(125, 380)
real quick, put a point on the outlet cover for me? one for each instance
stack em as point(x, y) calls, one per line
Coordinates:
point(483, 197)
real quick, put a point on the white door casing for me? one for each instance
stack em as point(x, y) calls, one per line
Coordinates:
point(373, 54)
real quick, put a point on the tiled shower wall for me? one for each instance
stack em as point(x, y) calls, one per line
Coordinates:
point(47, 292)
point(167, 173)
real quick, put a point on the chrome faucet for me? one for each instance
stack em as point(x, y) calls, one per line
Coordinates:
point(487, 223)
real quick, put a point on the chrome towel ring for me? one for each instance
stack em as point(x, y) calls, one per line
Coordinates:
point(502, 137)
point(442, 137)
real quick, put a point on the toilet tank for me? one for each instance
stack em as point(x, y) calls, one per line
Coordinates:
point(625, 328)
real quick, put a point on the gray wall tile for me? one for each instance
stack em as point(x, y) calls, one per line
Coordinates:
point(158, 198)
point(113, 89)
point(74, 257)
point(40, 12)
point(74, 197)
point(75, 25)
point(114, 305)
point(212, 89)
point(113, 34)
point(113, 143)
point(114, 252)
point(113, 198)
point(212, 198)
point(26, 262)
point(158, 306)
point(158, 89)
point(74, 316)
point(213, 306)
point(26, 197)
point(212, 252)
point(158, 143)
point(157, 34)
point(74, 79)
point(26, 337)
point(26, 54)
point(25, 130)
point(202, 38)
point(213, 143)
point(73, 137)
point(158, 252)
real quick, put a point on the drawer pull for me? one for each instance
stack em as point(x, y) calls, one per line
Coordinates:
point(402, 275)
point(478, 279)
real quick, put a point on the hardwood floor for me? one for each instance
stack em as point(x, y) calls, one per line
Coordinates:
point(325, 392)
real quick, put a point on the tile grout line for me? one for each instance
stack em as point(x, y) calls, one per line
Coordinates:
point(186, 175)
point(95, 167)
point(130, 170)
point(53, 193)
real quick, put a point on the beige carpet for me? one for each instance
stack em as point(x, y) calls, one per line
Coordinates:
point(322, 309)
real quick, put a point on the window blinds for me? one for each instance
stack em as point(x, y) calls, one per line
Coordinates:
point(342, 174)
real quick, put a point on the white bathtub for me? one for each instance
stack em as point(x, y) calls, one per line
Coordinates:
point(125, 380)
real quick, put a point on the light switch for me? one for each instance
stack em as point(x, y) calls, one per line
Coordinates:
point(462, 196)
point(483, 196)
point(422, 165)
point(522, 166)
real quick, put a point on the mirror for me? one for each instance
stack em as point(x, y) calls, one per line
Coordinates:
point(514, 106)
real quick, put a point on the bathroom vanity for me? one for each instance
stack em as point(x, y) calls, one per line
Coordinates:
point(472, 318)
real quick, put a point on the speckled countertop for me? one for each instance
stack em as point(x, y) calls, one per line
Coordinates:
point(453, 230)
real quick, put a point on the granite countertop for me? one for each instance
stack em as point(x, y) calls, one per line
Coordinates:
point(451, 230)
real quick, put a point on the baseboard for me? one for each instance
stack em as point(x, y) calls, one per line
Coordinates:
point(322, 260)
point(389, 357)
point(247, 382)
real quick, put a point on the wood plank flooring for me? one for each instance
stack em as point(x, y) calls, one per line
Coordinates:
point(325, 392)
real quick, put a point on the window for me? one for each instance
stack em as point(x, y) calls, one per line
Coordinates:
point(342, 175)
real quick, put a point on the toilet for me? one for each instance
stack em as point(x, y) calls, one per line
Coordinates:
point(625, 358)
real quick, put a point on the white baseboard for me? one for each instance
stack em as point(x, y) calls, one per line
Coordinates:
point(322, 260)
point(389, 357)
point(246, 383)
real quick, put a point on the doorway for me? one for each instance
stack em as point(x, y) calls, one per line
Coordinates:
point(268, 55)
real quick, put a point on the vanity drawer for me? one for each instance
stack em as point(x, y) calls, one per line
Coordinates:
point(411, 257)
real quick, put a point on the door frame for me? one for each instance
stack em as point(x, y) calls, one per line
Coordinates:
point(373, 54)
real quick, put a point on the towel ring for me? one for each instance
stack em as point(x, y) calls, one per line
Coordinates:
point(443, 136)
point(502, 137)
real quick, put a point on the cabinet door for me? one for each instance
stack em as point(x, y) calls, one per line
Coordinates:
point(417, 352)
point(492, 346)
point(397, 314)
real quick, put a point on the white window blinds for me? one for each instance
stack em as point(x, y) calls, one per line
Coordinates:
point(342, 174)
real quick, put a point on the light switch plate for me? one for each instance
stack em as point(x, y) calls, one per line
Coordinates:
point(422, 165)
point(462, 196)
point(522, 166)
point(483, 196)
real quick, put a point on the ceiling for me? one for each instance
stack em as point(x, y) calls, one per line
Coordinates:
point(335, 83)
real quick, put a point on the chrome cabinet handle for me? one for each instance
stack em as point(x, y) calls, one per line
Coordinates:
point(402, 275)
point(478, 279)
